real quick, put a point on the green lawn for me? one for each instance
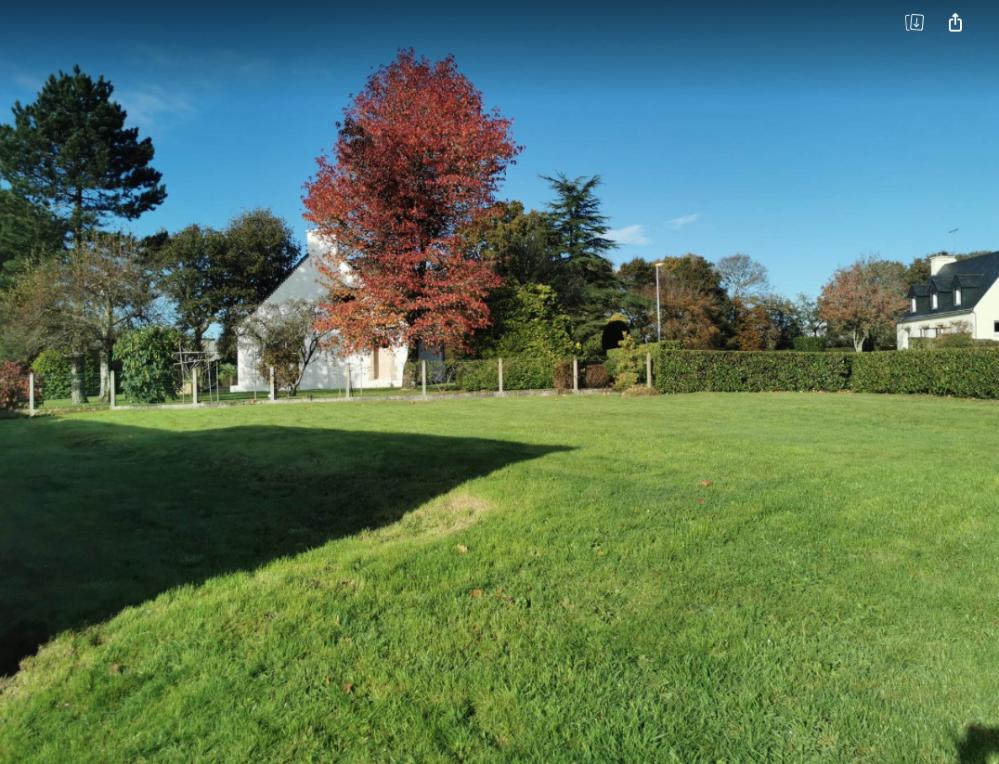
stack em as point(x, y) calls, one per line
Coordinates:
point(547, 579)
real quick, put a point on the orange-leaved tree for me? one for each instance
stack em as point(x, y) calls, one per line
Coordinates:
point(418, 159)
point(863, 299)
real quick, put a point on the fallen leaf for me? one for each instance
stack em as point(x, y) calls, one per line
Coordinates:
point(462, 549)
point(114, 669)
point(706, 483)
point(348, 688)
point(475, 593)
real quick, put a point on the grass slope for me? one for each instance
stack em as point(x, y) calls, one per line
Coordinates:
point(527, 579)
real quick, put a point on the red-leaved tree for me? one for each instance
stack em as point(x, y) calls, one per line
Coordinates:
point(417, 160)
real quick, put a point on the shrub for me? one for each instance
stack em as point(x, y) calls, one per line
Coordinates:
point(597, 376)
point(688, 371)
point(969, 373)
point(55, 369)
point(630, 356)
point(563, 375)
point(476, 375)
point(625, 380)
point(148, 370)
point(809, 344)
point(528, 373)
point(13, 386)
point(637, 391)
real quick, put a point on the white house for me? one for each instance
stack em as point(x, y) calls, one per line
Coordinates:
point(378, 367)
point(961, 296)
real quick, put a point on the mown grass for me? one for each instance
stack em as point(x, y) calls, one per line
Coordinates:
point(755, 577)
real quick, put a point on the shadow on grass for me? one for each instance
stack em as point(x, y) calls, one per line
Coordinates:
point(99, 516)
point(979, 745)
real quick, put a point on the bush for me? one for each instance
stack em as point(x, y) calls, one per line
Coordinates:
point(528, 373)
point(969, 373)
point(476, 375)
point(688, 371)
point(630, 356)
point(13, 386)
point(638, 391)
point(625, 380)
point(597, 376)
point(809, 344)
point(148, 370)
point(950, 341)
point(55, 369)
point(563, 375)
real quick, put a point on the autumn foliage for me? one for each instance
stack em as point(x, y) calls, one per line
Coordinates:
point(417, 160)
point(862, 299)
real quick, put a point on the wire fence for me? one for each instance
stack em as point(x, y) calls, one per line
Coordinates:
point(217, 383)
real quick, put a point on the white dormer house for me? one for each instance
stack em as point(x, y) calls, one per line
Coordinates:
point(961, 296)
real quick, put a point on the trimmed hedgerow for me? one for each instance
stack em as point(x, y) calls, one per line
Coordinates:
point(519, 373)
point(967, 373)
point(688, 371)
point(810, 344)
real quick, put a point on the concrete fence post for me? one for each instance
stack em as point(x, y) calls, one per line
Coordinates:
point(194, 386)
point(348, 381)
point(648, 369)
point(499, 374)
point(111, 389)
point(575, 374)
point(31, 393)
point(423, 377)
point(272, 388)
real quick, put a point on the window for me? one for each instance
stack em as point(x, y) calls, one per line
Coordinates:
point(957, 296)
point(912, 305)
point(995, 327)
point(934, 301)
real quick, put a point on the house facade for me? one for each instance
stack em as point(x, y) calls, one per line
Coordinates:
point(378, 367)
point(960, 296)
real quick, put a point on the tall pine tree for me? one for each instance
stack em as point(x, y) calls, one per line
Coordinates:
point(71, 153)
point(586, 281)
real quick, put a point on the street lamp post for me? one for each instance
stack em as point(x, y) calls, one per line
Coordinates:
point(659, 312)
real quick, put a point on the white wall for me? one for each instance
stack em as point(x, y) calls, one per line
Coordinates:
point(327, 371)
point(981, 321)
point(987, 312)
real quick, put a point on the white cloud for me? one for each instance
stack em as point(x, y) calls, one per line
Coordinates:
point(152, 107)
point(632, 234)
point(683, 221)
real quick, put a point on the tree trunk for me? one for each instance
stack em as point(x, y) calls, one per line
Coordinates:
point(105, 375)
point(858, 341)
point(77, 386)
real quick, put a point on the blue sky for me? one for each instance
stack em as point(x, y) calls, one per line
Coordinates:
point(802, 134)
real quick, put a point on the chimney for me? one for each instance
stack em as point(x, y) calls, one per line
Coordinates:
point(939, 261)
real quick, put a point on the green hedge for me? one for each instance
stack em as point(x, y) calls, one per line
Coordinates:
point(54, 372)
point(519, 373)
point(967, 373)
point(688, 371)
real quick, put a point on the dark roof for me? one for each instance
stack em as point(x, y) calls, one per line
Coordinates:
point(974, 275)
